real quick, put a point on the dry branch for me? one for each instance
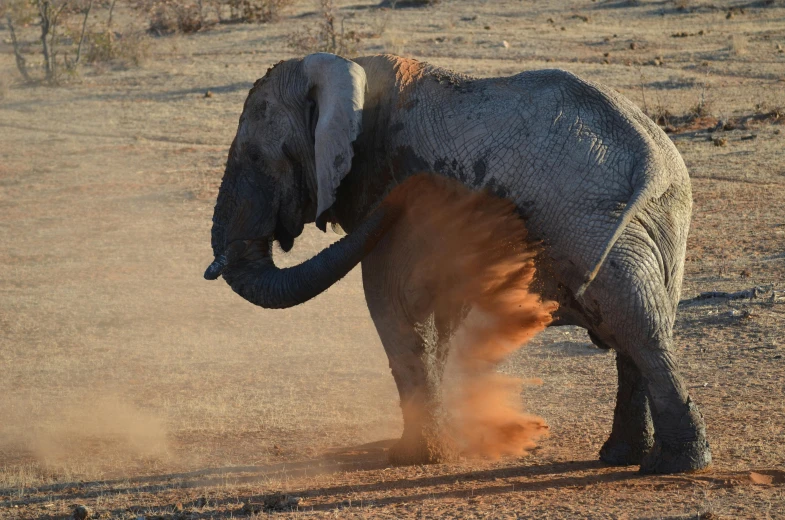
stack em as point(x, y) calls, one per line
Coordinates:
point(752, 293)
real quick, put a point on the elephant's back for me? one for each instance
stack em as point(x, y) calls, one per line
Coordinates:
point(585, 152)
point(596, 112)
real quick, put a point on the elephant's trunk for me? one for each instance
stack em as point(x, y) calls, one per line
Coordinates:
point(249, 268)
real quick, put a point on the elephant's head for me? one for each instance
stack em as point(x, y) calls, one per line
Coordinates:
point(292, 149)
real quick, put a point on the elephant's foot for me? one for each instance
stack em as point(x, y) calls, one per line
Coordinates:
point(620, 452)
point(677, 458)
point(682, 447)
point(428, 446)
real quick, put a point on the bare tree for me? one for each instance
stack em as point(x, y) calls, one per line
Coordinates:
point(21, 63)
point(84, 27)
point(50, 14)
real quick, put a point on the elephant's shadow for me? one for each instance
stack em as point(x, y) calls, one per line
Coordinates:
point(371, 457)
point(366, 457)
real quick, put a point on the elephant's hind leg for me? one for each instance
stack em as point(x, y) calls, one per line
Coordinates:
point(632, 435)
point(632, 304)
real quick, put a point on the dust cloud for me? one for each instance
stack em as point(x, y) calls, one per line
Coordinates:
point(87, 433)
point(469, 250)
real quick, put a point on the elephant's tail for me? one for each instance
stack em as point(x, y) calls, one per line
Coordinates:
point(646, 191)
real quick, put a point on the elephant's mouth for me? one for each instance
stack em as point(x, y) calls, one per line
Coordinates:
point(241, 248)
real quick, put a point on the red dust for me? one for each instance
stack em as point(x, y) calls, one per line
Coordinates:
point(473, 259)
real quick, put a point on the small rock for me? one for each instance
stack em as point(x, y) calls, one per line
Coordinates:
point(505, 44)
point(81, 512)
point(739, 313)
point(487, 27)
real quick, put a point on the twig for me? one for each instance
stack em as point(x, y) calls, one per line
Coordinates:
point(643, 93)
point(702, 102)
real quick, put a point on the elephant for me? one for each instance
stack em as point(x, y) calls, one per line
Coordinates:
point(323, 139)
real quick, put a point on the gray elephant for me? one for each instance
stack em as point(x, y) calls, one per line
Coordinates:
point(323, 139)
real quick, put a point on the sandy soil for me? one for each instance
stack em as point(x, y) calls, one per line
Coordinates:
point(131, 385)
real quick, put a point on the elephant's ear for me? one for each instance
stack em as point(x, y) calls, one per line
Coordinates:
point(338, 85)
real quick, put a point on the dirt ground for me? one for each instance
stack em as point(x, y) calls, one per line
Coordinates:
point(132, 386)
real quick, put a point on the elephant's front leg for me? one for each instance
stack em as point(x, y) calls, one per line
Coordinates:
point(410, 333)
point(418, 374)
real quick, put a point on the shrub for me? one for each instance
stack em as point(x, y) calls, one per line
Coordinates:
point(327, 36)
point(254, 11)
point(128, 49)
point(173, 16)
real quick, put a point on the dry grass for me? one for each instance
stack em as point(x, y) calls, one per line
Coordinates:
point(106, 194)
